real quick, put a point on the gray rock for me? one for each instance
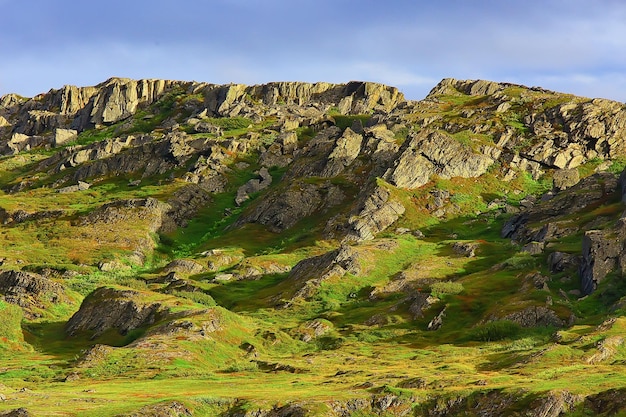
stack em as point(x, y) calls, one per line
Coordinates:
point(346, 150)
point(29, 290)
point(433, 153)
point(253, 186)
point(601, 255)
point(62, 136)
point(535, 316)
point(466, 249)
point(183, 266)
point(376, 214)
point(308, 274)
point(533, 248)
point(108, 308)
point(565, 178)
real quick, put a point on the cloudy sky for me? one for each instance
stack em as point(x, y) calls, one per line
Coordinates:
point(575, 46)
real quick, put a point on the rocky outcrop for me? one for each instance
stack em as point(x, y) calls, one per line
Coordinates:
point(111, 309)
point(183, 266)
point(163, 409)
point(535, 316)
point(307, 275)
point(377, 213)
point(611, 402)
point(354, 97)
point(603, 251)
point(434, 153)
point(253, 186)
point(345, 151)
point(283, 208)
point(30, 291)
point(540, 222)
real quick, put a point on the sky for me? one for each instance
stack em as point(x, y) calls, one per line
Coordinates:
point(572, 46)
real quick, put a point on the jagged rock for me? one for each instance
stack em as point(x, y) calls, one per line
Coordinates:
point(420, 302)
point(253, 186)
point(450, 86)
point(184, 205)
point(280, 152)
point(125, 210)
point(376, 214)
point(559, 261)
point(433, 153)
point(164, 409)
point(119, 98)
point(607, 348)
point(112, 266)
point(29, 290)
point(81, 186)
point(282, 209)
point(535, 316)
point(183, 266)
point(437, 321)
point(565, 178)
point(18, 412)
point(309, 273)
point(467, 249)
point(555, 404)
point(108, 308)
point(602, 252)
point(346, 150)
point(313, 329)
point(610, 402)
point(62, 136)
point(589, 191)
point(533, 248)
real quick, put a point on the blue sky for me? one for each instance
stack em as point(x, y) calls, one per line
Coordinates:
point(574, 46)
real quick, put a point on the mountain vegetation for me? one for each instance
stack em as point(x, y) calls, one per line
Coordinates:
point(178, 248)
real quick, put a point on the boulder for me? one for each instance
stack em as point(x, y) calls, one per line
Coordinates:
point(111, 309)
point(253, 186)
point(62, 136)
point(565, 178)
point(183, 266)
point(308, 274)
point(30, 291)
point(535, 316)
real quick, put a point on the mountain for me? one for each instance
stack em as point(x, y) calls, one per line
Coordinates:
point(298, 249)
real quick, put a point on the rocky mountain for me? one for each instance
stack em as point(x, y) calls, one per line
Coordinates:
point(169, 247)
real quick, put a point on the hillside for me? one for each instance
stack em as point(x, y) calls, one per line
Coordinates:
point(294, 249)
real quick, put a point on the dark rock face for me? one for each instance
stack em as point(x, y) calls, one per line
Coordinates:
point(535, 316)
point(29, 290)
point(589, 192)
point(609, 402)
point(601, 255)
point(18, 412)
point(108, 308)
point(309, 273)
point(281, 210)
